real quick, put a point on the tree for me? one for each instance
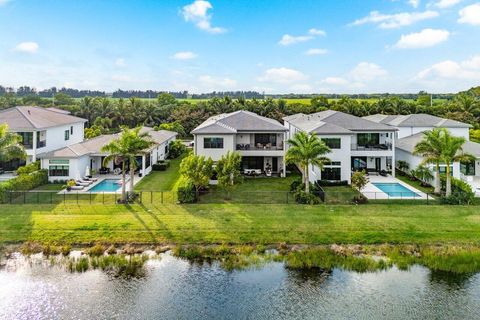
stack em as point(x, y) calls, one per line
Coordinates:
point(228, 171)
point(424, 174)
point(10, 145)
point(359, 180)
point(125, 149)
point(307, 150)
point(403, 166)
point(429, 148)
point(197, 170)
point(173, 126)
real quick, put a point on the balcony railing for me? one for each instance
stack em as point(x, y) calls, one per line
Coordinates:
point(372, 147)
point(41, 144)
point(258, 146)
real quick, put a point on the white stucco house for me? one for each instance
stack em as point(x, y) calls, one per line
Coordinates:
point(355, 143)
point(259, 140)
point(42, 130)
point(410, 132)
point(71, 162)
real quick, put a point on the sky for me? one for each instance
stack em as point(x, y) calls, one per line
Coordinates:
point(271, 46)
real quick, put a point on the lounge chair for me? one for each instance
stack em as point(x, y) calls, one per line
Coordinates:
point(77, 187)
point(83, 184)
point(90, 179)
point(117, 171)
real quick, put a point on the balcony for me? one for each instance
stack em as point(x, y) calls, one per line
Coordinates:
point(258, 146)
point(41, 144)
point(373, 147)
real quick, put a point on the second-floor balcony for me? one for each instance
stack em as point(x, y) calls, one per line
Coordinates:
point(371, 147)
point(258, 146)
point(41, 144)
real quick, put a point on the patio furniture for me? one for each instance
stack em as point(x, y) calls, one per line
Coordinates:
point(117, 171)
point(83, 184)
point(90, 179)
point(259, 146)
point(104, 170)
point(383, 173)
point(77, 187)
point(247, 146)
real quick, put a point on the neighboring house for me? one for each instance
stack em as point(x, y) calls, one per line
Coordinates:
point(42, 130)
point(410, 132)
point(72, 161)
point(259, 140)
point(355, 143)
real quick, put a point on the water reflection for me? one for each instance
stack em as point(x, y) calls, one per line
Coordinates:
point(176, 289)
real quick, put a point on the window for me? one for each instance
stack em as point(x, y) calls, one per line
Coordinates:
point(332, 143)
point(27, 139)
point(252, 163)
point(71, 129)
point(266, 138)
point(67, 135)
point(368, 139)
point(467, 168)
point(58, 171)
point(331, 174)
point(333, 163)
point(213, 143)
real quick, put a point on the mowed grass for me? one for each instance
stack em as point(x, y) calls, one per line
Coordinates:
point(161, 180)
point(240, 224)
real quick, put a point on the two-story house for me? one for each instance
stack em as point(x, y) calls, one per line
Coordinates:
point(410, 132)
point(259, 140)
point(355, 143)
point(42, 130)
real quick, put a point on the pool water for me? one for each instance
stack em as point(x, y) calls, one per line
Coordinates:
point(109, 185)
point(395, 190)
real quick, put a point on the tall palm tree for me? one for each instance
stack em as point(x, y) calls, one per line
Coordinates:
point(125, 149)
point(10, 145)
point(429, 149)
point(305, 150)
point(452, 151)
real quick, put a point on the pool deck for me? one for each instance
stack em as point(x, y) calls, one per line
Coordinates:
point(102, 177)
point(372, 192)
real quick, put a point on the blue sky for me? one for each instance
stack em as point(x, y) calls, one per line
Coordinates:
point(276, 46)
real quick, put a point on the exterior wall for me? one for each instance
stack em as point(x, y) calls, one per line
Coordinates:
point(215, 154)
point(77, 167)
point(409, 131)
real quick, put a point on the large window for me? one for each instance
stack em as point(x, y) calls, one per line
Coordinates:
point(27, 139)
point(67, 135)
point(58, 171)
point(368, 139)
point(331, 174)
point(468, 168)
point(252, 163)
point(332, 143)
point(213, 143)
point(266, 138)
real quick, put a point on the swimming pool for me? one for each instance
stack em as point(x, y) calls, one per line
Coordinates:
point(107, 185)
point(395, 189)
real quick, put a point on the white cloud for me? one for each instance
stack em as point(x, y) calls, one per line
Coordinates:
point(27, 47)
point(452, 70)
point(335, 81)
point(423, 39)
point(367, 71)
point(288, 39)
point(391, 21)
point(282, 76)
point(315, 52)
point(470, 14)
point(301, 88)
point(442, 4)
point(197, 13)
point(213, 83)
point(120, 62)
point(4, 2)
point(317, 32)
point(184, 55)
point(414, 3)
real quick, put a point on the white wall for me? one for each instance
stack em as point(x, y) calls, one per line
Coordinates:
point(76, 165)
point(342, 155)
point(215, 154)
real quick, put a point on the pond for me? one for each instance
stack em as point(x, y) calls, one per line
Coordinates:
point(172, 288)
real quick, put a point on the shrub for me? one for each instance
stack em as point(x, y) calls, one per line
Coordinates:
point(461, 192)
point(186, 192)
point(29, 168)
point(161, 166)
point(175, 149)
point(295, 184)
point(359, 180)
point(305, 198)
point(96, 251)
point(22, 183)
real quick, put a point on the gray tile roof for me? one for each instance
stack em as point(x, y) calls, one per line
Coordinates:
point(32, 118)
point(416, 120)
point(408, 144)
point(238, 121)
point(93, 146)
point(338, 123)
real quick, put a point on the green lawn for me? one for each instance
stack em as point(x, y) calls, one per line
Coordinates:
point(49, 187)
point(235, 223)
point(161, 180)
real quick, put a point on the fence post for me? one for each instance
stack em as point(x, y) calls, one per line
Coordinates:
point(115, 197)
point(64, 197)
point(38, 197)
point(10, 193)
point(90, 197)
point(24, 197)
point(77, 197)
point(151, 196)
point(103, 197)
point(161, 194)
point(51, 197)
point(427, 198)
point(287, 197)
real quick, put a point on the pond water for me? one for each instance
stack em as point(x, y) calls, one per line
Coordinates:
point(176, 289)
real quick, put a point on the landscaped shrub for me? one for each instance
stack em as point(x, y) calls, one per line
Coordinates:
point(295, 184)
point(461, 192)
point(306, 198)
point(22, 183)
point(186, 192)
point(29, 168)
point(175, 149)
point(162, 165)
point(326, 183)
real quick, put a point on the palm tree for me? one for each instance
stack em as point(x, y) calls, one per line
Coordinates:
point(125, 149)
point(452, 151)
point(305, 150)
point(429, 149)
point(10, 145)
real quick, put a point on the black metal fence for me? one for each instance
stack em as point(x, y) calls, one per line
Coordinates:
point(243, 197)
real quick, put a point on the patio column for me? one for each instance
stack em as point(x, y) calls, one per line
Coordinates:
point(34, 146)
point(393, 154)
point(284, 171)
point(143, 165)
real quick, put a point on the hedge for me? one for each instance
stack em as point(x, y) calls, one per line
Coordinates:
point(23, 182)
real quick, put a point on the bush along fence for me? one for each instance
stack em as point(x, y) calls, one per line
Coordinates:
point(26, 180)
point(216, 196)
